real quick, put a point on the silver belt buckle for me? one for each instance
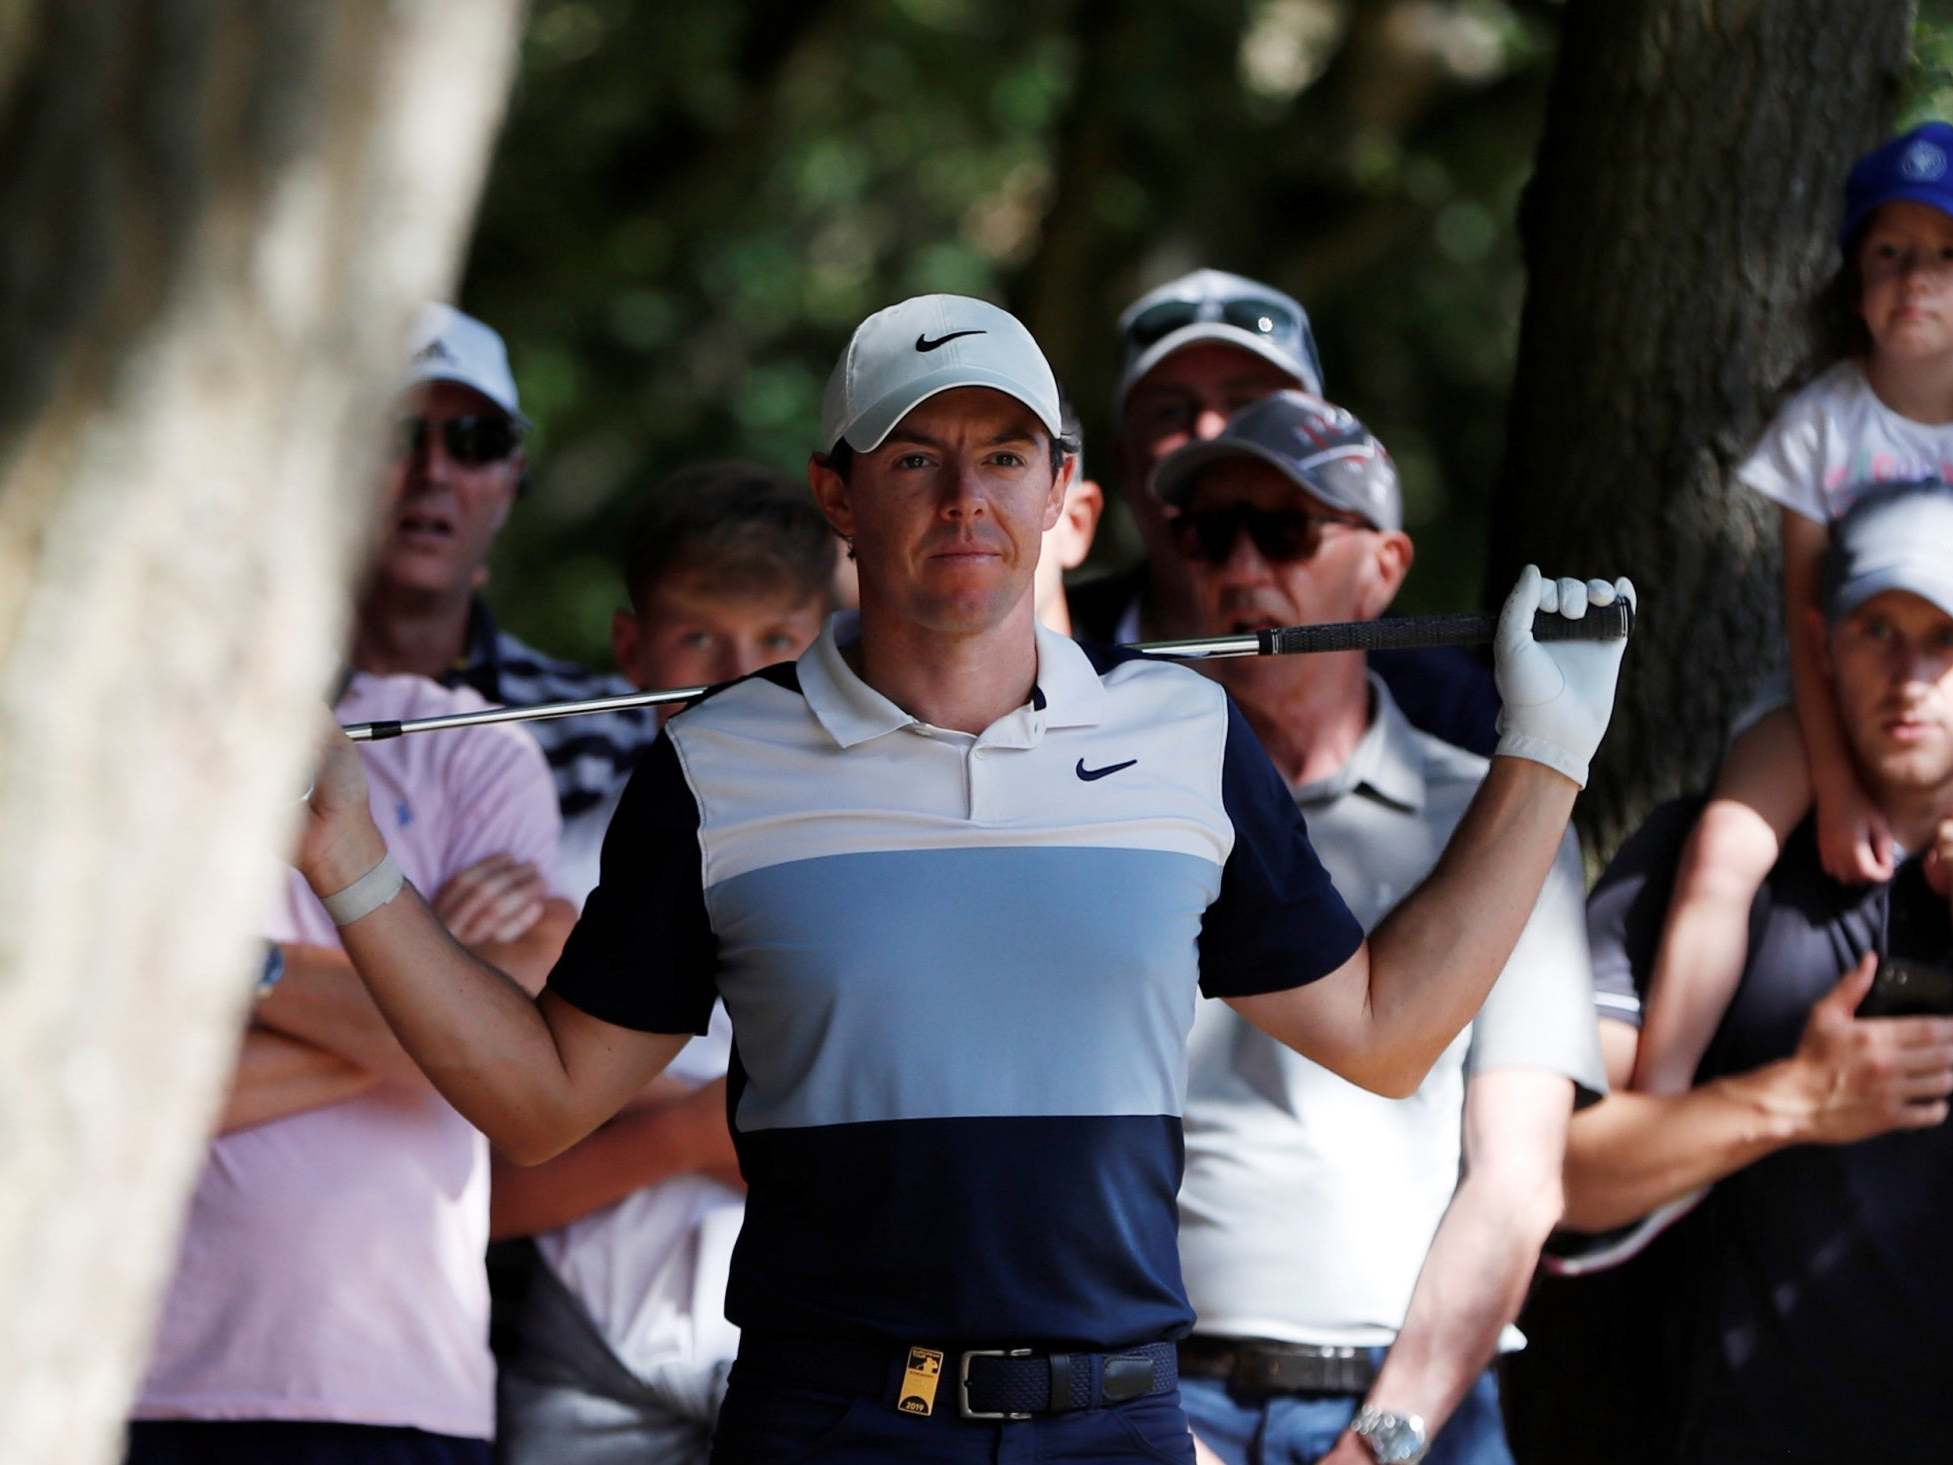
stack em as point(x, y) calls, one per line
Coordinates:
point(963, 1381)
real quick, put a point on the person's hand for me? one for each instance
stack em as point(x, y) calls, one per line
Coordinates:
point(1855, 1077)
point(1349, 1450)
point(705, 1110)
point(1559, 695)
point(1853, 839)
point(339, 842)
point(495, 899)
point(1938, 866)
point(1202, 1454)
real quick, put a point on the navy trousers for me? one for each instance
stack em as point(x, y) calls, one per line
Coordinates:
point(769, 1421)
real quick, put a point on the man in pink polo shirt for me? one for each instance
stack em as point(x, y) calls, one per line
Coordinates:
point(329, 1302)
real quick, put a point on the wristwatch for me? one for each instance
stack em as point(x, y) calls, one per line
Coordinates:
point(1391, 1438)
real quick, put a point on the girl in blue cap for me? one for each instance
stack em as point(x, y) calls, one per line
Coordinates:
point(1881, 413)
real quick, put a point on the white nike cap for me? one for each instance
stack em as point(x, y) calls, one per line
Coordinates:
point(446, 345)
point(901, 356)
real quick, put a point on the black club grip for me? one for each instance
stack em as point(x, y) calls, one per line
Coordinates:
point(1398, 633)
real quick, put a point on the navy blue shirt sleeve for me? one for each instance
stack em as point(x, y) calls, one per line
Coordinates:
point(1629, 906)
point(1278, 921)
point(644, 955)
point(1446, 691)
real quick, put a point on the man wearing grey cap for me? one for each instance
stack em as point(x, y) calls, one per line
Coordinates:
point(1196, 350)
point(457, 465)
point(1815, 1279)
point(957, 881)
point(1355, 1262)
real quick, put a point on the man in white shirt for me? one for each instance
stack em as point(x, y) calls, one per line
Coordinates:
point(619, 1347)
point(1350, 1287)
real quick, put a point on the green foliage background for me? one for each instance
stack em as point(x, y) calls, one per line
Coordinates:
point(693, 202)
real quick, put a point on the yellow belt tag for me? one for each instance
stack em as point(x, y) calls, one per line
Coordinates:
point(919, 1381)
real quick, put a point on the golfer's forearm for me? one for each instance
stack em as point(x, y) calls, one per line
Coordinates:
point(1434, 957)
point(477, 1035)
point(1472, 1283)
point(1633, 1152)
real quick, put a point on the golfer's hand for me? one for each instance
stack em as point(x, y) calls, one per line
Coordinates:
point(1557, 695)
point(1853, 839)
point(1855, 1077)
point(339, 842)
point(495, 899)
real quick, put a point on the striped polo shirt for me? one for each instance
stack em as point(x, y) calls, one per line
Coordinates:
point(961, 972)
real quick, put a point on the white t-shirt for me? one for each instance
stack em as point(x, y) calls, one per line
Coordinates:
point(1309, 1204)
point(651, 1269)
point(330, 1269)
point(1835, 439)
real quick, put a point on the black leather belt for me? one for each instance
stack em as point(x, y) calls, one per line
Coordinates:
point(1265, 1366)
point(980, 1383)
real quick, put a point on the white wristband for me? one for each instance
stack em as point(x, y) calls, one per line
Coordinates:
point(366, 894)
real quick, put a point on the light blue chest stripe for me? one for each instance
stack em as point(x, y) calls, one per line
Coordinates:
point(962, 983)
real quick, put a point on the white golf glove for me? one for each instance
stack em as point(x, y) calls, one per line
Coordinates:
point(1558, 695)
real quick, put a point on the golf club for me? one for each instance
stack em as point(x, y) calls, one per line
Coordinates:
point(1601, 623)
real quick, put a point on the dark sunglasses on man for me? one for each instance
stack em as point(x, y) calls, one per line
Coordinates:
point(472, 441)
point(1281, 536)
point(1257, 315)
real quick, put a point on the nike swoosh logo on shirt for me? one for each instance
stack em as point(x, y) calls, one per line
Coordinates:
point(923, 343)
point(1091, 774)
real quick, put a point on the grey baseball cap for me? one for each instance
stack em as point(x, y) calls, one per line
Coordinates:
point(1898, 537)
point(1212, 305)
point(447, 345)
point(1318, 446)
point(901, 356)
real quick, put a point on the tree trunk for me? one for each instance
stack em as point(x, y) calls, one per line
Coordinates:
point(1681, 218)
point(220, 214)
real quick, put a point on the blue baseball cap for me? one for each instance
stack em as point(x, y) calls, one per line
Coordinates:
point(1915, 166)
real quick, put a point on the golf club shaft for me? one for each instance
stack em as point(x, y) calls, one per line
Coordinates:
point(1601, 623)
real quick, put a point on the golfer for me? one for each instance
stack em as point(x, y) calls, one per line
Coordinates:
point(957, 880)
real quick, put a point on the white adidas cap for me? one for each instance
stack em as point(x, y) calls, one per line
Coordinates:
point(901, 356)
point(446, 345)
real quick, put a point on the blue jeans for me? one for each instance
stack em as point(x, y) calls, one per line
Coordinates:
point(1298, 1429)
point(770, 1422)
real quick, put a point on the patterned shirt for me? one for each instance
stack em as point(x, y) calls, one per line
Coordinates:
point(586, 754)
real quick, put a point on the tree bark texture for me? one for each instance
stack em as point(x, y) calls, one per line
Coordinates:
point(220, 214)
point(1680, 221)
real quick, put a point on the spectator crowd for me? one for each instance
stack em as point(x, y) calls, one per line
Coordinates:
point(1127, 1060)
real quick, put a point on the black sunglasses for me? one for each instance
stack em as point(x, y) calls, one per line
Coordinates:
point(470, 441)
point(1258, 317)
point(1282, 536)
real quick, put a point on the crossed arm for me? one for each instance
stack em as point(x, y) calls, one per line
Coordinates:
point(1849, 1079)
point(318, 1038)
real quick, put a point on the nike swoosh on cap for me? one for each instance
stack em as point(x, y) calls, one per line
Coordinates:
point(923, 343)
point(1091, 774)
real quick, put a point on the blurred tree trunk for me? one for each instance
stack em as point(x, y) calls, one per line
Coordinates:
point(219, 216)
point(1680, 219)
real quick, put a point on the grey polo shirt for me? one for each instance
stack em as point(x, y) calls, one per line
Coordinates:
point(1308, 1203)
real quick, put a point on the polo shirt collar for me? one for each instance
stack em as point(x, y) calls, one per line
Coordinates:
point(1385, 761)
point(1068, 692)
